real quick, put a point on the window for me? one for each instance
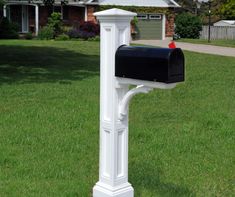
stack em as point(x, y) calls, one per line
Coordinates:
point(155, 16)
point(57, 9)
point(65, 13)
point(142, 16)
point(31, 12)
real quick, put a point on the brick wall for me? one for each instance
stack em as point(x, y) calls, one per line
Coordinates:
point(1, 12)
point(31, 10)
point(44, 13)
point(90, 11)
point(76, 14)
point(170, 26)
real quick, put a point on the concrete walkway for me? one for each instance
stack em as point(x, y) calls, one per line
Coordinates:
point(201, 48)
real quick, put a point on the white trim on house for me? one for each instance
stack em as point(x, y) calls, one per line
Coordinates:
point(174, 3)
point(4, 11)
point(36, 19)
point(78, 4)
point(92, 2)
point(142, 16)
point(155, 16)
point(86, 17)
point(36, 14)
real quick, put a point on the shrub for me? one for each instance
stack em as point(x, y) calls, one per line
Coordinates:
point(188, 26)
point(176, 37)
point(8, 30)
point(53, 28)
point(96, 38)
point(65, 29)
point(90, 27)
point(46, 33)
point(62, 37)
point(29, 36)
point(85, 31)
point(134, 21)
point(73, 33)
point(54, 21)
point(85, 35)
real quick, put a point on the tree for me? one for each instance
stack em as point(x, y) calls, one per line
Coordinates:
point(187, 5)
point(227, 9)
point(188, 25)
point(1, 4)
point(8, 30)
point(54, 21)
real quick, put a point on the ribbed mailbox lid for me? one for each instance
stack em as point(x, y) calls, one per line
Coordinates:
point(150, 63)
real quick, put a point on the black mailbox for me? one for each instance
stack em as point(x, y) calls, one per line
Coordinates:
point(150, 63)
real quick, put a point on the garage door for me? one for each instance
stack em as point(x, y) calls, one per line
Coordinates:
point(149, 27)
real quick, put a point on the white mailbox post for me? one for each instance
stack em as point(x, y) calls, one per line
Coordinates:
point(114, 99)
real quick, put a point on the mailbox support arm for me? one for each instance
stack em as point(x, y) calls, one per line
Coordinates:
point(123, 107)
point(137, 82)
point(141, 87)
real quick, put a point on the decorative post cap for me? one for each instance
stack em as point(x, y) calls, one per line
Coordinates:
point(115, 12)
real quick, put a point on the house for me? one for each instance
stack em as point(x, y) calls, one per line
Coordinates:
point(33, 14)
point(155, 19)
point(225, 23)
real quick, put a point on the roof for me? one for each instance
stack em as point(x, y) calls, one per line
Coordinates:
point(145, 3)
point(228, 22)
point(231, 22)
point(77, 2)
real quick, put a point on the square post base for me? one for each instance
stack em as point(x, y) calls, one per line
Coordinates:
point(100, 191)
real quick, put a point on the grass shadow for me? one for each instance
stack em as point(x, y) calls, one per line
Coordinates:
point(27, 64)
point(145, 177)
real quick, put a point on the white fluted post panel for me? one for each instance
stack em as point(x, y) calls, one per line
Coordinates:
point(163, 26)
point(36, 19)
point(4, 11)
point(113, 166)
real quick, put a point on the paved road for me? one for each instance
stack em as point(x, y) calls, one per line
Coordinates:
point(201, 48)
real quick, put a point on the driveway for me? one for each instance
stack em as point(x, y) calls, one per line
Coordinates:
point(201, 48)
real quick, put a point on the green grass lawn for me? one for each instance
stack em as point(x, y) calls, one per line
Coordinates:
point(224, 43)
point(181, 141)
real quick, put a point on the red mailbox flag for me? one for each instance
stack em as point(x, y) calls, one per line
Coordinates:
point(172, 45)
